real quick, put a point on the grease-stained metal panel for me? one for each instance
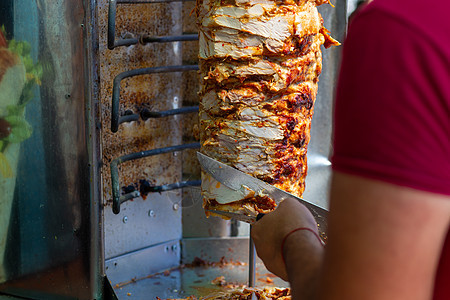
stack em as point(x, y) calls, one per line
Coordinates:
point(143, 223)
point(156, 92)
point(142, 263)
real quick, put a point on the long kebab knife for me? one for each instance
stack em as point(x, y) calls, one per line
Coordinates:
point(238, 181)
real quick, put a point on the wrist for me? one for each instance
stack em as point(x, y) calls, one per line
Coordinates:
point(301, 236)
point(303, 254)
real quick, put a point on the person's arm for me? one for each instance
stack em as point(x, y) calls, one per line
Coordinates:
point(384, 242)
point(302, 250)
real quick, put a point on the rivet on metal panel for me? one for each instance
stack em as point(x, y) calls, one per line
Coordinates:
point(175, 206)
point(166, 249)
point(174, 247)
point(125, 219)
point(151, 213)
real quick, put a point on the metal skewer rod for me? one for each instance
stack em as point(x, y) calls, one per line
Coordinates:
point(251, 263)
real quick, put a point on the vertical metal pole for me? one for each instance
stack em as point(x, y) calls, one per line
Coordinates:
point(93, 136)
point(251, 263)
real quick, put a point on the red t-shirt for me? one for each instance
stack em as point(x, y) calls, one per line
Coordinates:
point(392, 114)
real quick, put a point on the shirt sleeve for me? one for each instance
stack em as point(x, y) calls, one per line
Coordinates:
point(392, 115)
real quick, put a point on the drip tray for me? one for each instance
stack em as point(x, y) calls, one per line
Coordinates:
point(208, 265)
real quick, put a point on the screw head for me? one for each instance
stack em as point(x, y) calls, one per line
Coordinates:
point(125, 219)
point(151, 213)
point(175, 206)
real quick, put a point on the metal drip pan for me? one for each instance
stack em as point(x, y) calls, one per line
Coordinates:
point(208, 265)
point(197, 281)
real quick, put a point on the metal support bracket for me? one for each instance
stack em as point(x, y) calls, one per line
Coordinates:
point(143, 39)
point(118, 199)
point(116, 119)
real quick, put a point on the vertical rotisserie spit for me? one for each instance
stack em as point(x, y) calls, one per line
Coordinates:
point(260, 62)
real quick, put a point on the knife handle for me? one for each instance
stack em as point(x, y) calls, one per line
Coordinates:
point(259, 216)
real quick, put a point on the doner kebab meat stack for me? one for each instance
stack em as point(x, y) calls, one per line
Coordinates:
point(260, 62)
